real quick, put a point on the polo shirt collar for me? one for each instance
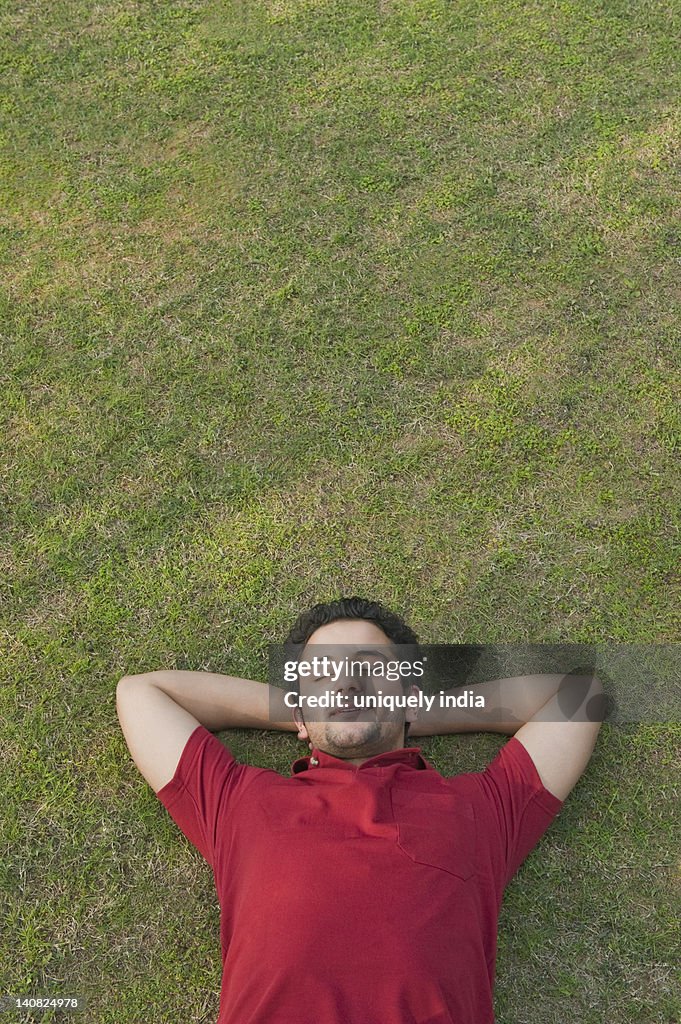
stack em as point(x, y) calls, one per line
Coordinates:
point(410, 756)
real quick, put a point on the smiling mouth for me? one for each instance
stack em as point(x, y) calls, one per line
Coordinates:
point(347, 713)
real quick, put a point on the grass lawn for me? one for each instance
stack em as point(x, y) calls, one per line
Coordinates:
point(302, 299)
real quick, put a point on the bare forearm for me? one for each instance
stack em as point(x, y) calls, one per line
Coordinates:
point(509, 704)
point(224, 702)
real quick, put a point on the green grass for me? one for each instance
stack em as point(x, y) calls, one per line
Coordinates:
point(304, 299)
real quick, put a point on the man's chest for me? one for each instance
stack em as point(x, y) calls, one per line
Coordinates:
point(345, 824)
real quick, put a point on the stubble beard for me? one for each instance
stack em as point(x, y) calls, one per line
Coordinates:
point(354, 738)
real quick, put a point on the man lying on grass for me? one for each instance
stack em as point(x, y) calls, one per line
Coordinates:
point(365, 888)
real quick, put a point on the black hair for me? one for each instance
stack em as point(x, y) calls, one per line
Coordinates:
point(394, 627)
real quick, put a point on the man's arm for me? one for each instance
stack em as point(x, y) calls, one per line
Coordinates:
point(159, 711)
point(555, 717)
point(560, 746)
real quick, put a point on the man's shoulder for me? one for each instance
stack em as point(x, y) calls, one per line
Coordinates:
point(207, 753)
point(469, 782)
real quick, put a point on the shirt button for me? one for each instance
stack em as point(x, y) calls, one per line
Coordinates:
point(314, 762)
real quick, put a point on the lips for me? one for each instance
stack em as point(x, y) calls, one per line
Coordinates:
point(345, 712)
point(352, 713)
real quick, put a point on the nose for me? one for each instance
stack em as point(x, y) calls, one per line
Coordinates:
point(347, 687)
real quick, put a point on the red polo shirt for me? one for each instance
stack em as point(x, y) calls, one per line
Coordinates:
point(358, 895)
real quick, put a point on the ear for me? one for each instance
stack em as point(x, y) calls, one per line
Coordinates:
point(411, 714)
point(302, 730)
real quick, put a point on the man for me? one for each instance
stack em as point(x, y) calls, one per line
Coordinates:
point(365, 888)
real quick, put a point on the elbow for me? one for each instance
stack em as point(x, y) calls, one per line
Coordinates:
point(123, 686)
point(597, 702)
point(581, 699)
point(126, 680)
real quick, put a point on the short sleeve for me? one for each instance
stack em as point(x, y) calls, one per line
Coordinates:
point(517, 807)
point(205, 780)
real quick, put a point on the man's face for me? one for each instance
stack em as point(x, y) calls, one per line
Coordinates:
point(353, 735)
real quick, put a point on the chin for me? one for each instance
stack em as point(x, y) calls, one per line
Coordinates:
point(353, 734)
